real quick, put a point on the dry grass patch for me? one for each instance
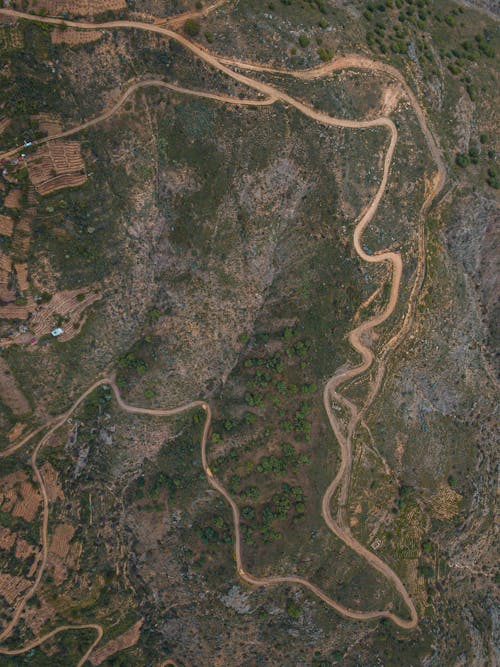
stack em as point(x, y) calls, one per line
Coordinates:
point(128, 639)
point(10, 394)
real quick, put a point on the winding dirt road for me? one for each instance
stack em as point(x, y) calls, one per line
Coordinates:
point(271, 94)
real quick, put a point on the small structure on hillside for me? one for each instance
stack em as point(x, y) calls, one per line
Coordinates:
point(57, 332)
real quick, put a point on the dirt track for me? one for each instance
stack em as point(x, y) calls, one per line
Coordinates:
point(273, 94)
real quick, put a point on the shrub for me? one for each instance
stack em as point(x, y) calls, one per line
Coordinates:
point(474, 154)
point(293, 610)
point(462, 160)
point(191, 27)
point(325, 54)
point(304, 41)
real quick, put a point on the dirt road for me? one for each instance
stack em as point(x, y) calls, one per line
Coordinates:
point(272, 94)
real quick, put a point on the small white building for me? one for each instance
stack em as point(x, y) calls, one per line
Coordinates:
point(57, 332)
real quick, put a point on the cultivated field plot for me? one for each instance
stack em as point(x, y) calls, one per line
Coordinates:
point(13, 199)
point(68, 306)
point(76, 7)
point(11, 38)
point(56, 165)
point(4, 122)
point(11, 587)
point(6, 225)
point(48, 124)
point(6, 293)
point(19, 497)
point(74, 37)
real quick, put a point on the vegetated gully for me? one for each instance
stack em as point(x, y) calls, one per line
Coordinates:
point(230, 67)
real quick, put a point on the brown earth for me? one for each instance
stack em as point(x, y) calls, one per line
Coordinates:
point(51, 479)
point(128, 639)
point(13, 312)
point(6, 293)
point(21, 270)
point(7, 538)
point(13, 199)
point(6, 225)
point(59, 550)
point(15, 432)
